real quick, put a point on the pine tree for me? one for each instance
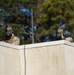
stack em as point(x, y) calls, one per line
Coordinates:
point(54, 13)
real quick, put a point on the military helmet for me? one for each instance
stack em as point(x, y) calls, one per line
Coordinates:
point(60, 30)
point(9, 28)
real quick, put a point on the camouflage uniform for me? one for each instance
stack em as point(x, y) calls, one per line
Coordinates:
point(60, 30)
point(13, 40)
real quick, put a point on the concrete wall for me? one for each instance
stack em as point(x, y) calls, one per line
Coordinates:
point(49, 58)
point(69, 59)
point(9, 60)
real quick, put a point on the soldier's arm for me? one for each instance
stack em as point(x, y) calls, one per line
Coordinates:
point(62, 36)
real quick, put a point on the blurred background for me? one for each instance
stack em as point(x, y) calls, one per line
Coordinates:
point(35, 21)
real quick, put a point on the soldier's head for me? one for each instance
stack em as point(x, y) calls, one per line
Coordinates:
point(9, 32)
point(59, 32)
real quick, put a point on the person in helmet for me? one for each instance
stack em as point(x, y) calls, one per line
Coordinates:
point(10, 37)
point(60, 35)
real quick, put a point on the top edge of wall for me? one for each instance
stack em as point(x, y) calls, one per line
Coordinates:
point(43, 44)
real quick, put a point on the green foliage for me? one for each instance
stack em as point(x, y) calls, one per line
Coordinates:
point(47, 13)
point(10, 3)
point(2, 32)
point(55, 11)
